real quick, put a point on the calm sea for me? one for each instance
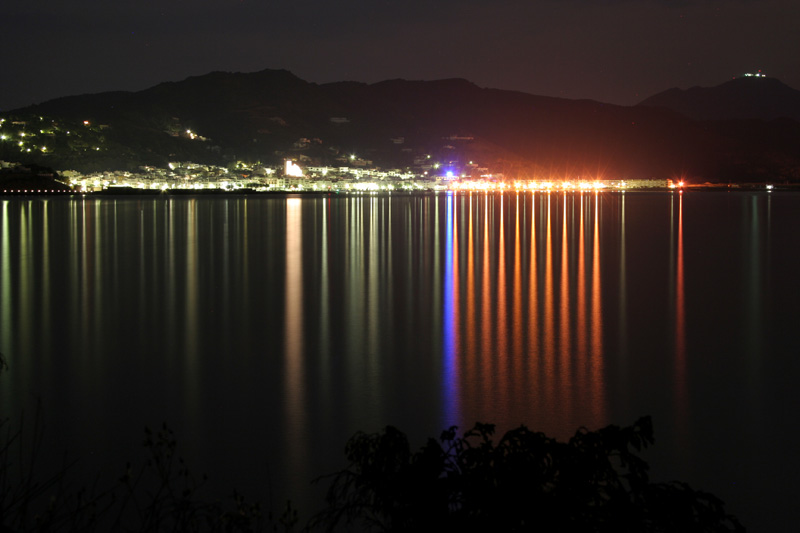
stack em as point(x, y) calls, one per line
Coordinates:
point(266, 331)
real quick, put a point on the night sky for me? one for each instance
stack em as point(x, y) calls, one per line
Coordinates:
point(617, 51)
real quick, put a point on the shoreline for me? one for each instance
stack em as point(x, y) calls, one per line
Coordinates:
point(132, 191)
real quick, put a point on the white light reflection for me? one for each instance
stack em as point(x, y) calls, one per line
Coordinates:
point(295, 398)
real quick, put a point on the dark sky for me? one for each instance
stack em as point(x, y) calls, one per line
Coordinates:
point(618, 51)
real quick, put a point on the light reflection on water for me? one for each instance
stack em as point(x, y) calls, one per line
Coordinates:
point(279, 326)
point(487, 373)
point(679, 298)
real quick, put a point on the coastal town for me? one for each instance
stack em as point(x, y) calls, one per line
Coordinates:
point(188, 177)
point(295, 171)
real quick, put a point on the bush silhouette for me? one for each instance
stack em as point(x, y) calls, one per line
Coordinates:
point(524, 482)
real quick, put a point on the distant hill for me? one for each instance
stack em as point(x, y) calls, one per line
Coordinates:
point(741, 98)
point(272, 115)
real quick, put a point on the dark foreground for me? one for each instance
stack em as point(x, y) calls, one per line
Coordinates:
point(525, 481)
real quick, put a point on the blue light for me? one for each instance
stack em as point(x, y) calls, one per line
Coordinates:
point(450, 399)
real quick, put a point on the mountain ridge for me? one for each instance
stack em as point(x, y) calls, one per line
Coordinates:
point(271, 115)
point(754, 97)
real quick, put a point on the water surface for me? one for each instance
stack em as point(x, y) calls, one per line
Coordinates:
point(266, 331)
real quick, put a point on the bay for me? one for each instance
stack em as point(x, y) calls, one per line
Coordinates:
point(265, 331)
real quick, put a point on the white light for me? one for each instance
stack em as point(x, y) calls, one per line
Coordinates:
point(293, 170)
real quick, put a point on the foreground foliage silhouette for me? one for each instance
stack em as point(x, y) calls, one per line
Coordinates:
point(159, 495)
point(524, 482)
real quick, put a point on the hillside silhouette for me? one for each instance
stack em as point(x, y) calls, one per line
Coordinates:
point(750, 97)
point(273, 114)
